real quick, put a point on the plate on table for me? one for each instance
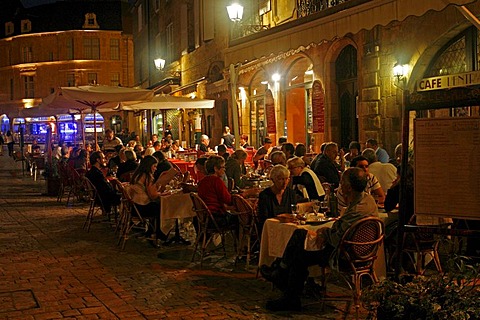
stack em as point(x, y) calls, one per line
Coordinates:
point(318, 222)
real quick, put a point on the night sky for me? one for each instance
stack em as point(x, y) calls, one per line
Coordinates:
point(31, 3)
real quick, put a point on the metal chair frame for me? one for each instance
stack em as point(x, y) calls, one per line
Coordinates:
point(248, 221)
point(95, 203)
point(208, 228)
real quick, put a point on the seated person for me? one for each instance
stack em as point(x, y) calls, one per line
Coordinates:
point(145, 193)
point(129, 165)
point(213, 191)
point(234, 167)
point(278, 198)
point(373, 186)
point(292, 271)
point(163, 164)
point(304, 180)
point(105, 190)
point(80, 161)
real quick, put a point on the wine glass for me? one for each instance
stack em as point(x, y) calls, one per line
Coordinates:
point(294, 210)
point(316, 206)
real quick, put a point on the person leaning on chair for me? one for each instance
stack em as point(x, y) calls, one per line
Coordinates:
point(290, 273)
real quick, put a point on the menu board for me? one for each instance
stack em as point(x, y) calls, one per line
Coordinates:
point(318, 107)
point(447, 167)
point(270, 112)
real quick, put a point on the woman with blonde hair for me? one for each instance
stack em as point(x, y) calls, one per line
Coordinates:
point(278, 198)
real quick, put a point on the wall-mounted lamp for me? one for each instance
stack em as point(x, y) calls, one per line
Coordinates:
point(159, 63)
point(235, 13)
point(276, 77)
point(400, 71)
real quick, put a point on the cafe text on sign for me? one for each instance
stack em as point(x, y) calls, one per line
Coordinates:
point(449, 81)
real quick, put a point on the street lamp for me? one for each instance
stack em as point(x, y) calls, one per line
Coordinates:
point(235, 12)
point(159, 63)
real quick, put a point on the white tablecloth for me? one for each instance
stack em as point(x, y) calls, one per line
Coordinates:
point(275, 236)
point(174, 206)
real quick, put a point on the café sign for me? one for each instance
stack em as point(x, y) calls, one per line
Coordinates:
point(449, 81)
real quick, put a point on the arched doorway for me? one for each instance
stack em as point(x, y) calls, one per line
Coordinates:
point(298, 105)
point(346, 77)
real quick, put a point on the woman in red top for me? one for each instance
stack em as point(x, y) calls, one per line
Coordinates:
point(212, 190)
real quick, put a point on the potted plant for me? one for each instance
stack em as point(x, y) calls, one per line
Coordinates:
point(452, 295)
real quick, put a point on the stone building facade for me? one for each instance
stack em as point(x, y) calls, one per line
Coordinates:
point(64, 44)
point(319, 71)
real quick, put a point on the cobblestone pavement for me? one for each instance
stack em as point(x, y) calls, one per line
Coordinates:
point(50, 268)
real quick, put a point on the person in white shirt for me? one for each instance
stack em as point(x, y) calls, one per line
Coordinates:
point(386, 173)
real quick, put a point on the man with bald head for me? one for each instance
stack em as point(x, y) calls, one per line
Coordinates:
point(326, 168)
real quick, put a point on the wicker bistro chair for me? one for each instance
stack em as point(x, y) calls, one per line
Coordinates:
point(357, 254)
point(208, 229)
point(95, 203)
point(419, 245)
point(248, 225)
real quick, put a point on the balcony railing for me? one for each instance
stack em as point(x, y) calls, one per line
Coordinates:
point(308, 7)
point(306, 10)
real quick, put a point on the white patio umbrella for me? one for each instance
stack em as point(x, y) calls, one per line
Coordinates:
point(96, 96)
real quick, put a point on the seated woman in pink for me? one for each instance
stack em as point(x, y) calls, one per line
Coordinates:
point(212, 190)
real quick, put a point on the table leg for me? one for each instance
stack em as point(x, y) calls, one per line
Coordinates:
point(177, 238)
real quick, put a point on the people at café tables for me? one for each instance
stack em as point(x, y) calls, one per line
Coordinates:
point(291, 271)
point(281, 141)
point(129, 165)
point(382, 154)
point(145, 194)
point(138, 149)
point(153, 138)
point(278, 157)
point(204, 143)
point(199, 168)
point(36, 149)
point(222, 151)
point(353, 150)
point(213, 191)
point(304, 181)
point(227, 139)
point(326, 167)
point(397, 158)
point(131, 144)
point(288, 149)
point(262, 151)
point(10, 142)
point(80, 161)
point(163, 164)
point(373, 187)
point(105, 190)
point(386, 173)
point(149, 150)
point(115, 160)
point(313, 163)
point(301, 152)
point(234, 167)
point(277, 198)
point(137, 139)
point(244, 141)
point(175, 147)
point(168, 131)
point(110, 141)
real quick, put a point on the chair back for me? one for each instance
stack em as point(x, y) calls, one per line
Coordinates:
point(243, 209)
point(360, 242)
point(201, 210)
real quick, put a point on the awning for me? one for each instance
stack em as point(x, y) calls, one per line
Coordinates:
point(165, 102)
point(305, 31)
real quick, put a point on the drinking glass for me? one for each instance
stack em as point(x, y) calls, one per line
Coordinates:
point(316, 206)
